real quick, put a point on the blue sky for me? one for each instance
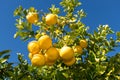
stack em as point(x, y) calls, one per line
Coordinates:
point(98, 12)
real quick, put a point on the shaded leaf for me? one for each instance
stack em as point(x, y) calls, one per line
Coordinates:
point(4, 59)
point(4, 52)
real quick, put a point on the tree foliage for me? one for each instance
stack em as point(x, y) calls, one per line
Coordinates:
point(93, 64)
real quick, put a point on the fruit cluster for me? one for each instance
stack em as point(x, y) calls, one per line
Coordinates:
point(33, 17)
point(79, 48)
point(42, 52)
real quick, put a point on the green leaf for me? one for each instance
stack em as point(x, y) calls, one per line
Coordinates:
point(54, 10)
point(118, 34)
point(18, 11)
point(118, 40)
point(4, 52)
point(20, 57)
point(70, 5)
point(16, 34)
point(4, 59)
point(60, 76)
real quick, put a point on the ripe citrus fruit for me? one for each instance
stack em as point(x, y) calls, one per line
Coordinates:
point(70, 62)
point(38, 60)
point(66, 53)
point(30, 55)
point(83, 43)
point(45, 42)
point(52, 54)
point(32, 17)
point(48, 62)
point(51, 19)
point(33, 47)
point(78, 49)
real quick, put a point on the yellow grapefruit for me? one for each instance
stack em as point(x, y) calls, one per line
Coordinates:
point(78, 49)
point(33, 47)
point(52, 54)
point(83, 43)
point(38, 60)
point(51, 19)
point(45, 42)
point(70, 62)
point(66, 53)
point(48, 62)
point(32, 17)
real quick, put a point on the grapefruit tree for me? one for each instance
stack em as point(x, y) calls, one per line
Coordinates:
point(62, 48)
